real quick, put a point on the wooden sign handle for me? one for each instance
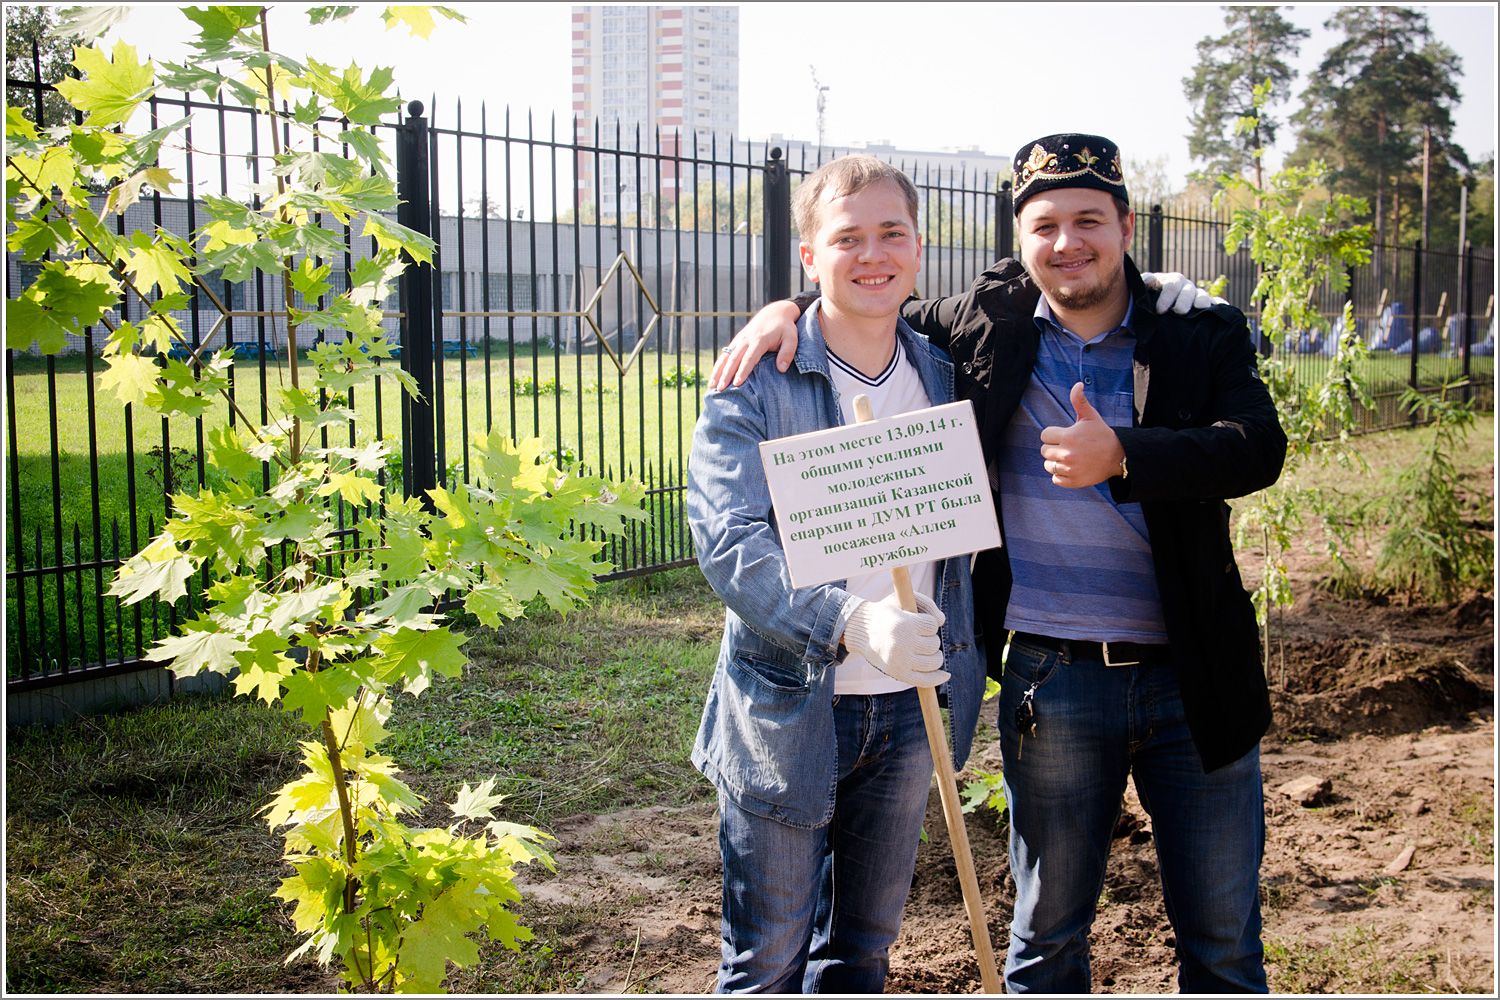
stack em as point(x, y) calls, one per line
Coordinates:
point(942, 762)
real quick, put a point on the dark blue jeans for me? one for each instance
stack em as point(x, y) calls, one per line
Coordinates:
point(816, 910)
point(1095, 725)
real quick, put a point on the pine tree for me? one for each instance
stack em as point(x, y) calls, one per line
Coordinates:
point(1255, 47)
point(1366, 107)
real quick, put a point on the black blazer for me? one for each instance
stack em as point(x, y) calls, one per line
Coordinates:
point(1205, 431)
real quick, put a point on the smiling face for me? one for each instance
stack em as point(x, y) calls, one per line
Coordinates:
point(865, 252)
point(1073, 244)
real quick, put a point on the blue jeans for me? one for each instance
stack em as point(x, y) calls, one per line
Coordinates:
point(815, 910)
point(1094, 726)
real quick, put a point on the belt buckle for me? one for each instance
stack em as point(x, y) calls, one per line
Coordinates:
point(1110, 663)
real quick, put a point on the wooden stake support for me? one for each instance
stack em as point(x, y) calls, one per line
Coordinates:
point(942, 762)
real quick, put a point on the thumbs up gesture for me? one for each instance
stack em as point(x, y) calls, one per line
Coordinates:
point(1085, 454)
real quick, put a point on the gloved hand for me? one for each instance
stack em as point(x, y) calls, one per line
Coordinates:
point(1178, 293)
point(901, 644)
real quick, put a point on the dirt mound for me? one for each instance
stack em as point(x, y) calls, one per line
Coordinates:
point(1341, 667)
point(1388, 881)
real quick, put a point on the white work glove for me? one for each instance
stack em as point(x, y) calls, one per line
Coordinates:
point(900, 644)
point(1178, 293)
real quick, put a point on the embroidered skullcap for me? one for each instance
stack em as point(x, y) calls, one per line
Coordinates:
point(1068, 159)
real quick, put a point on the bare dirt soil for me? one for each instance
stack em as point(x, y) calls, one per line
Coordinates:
point(1382, 883)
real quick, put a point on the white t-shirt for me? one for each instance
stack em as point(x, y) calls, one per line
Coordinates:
point(898, 389)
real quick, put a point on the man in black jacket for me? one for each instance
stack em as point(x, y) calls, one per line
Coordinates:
point(1113, 437)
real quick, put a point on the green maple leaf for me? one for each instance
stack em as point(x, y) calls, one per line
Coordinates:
point(413, 654)
point(370, 278)
point(315, 169)
point(528, 579)
point(130, 376)
point(263, 667)
point(155, 264)
point(53, 170)
point(362, 101)
point(303, 799)
point(293, 522)
point(369, 194)
point(505, 467)
point(360, 728)
point(391, 235)
point(111, 89)
point(125, 193)
point(228, 454)
point(142, 149)
point(591, 500)
point(298, 607)
point(171, 303)
point(395, 795)
point(179, 391)
point(364, 145)
point(314, 694)
point(491, 603)
point(218, 25)
point(354, 488)
point(84, 302)
point(370, 457)
point(318, 15)
point(404, 556)
point(204, 648)
point(37, 237)
point(239, 262)
point(439, 937)
point(403, 605)
point(418, 20)
point(27, 321)
point(311, 281)
point(179, 76)
point(69, 300)
point(19, 128)
point(477, 803)
point(159, 570)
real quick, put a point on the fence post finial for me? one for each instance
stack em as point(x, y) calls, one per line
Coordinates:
point(776, 208)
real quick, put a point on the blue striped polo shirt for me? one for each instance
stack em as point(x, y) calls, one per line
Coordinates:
point(1081, 563)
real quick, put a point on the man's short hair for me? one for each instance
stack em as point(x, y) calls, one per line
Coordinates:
point(845, 176)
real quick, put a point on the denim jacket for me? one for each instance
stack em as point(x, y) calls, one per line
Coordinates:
point(767, 736)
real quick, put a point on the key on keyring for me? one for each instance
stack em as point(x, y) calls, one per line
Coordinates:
point(1025, 719)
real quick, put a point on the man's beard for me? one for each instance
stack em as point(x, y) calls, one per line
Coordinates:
point(1083, 298)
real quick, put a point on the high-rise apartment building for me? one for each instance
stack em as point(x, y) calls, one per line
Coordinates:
point(673, 69)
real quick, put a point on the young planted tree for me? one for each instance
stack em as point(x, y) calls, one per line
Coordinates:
point(1255, 47)
point(1432, 547)
point(1303, 241)
point(301, 615)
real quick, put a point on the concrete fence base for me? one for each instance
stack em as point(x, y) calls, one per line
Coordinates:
point(60, 703)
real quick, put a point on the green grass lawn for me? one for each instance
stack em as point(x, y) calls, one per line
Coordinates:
point(638, 424)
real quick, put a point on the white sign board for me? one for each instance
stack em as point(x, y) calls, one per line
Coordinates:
point(892, 492)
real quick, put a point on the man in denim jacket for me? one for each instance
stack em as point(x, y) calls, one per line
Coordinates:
point(812, 731)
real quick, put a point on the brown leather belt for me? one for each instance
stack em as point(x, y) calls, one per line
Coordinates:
point(1111, 654)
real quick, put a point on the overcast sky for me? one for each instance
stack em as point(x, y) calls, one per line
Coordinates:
point(923, 76)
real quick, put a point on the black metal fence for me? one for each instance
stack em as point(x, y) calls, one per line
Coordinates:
point(583, 286)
